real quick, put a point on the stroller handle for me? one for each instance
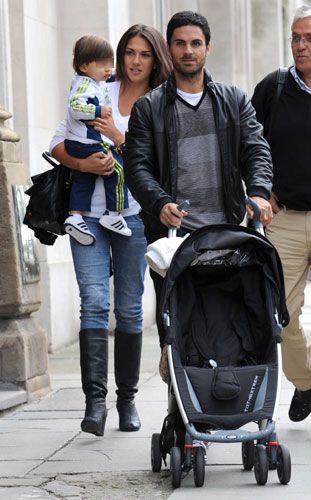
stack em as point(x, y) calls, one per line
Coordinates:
point(184, 205)
point(172, 231)
point(254, 223)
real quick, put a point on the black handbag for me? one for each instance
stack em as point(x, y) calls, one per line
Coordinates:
point(49, 202)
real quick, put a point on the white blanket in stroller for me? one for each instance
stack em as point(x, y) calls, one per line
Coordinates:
point(160, 253)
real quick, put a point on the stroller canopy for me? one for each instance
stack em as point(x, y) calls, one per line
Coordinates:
point(217, 250)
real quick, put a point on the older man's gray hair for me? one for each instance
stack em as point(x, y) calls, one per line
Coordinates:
point(301, 12)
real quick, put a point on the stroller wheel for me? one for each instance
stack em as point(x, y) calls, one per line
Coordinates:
point(261, 464)
point(156, 454)
point(283, 465)
point(199, 466)
point(175, 466)
point(248, 452)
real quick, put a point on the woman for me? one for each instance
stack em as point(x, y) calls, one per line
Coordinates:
point(142, 64)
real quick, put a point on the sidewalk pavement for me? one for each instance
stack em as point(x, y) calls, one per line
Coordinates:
point(44, 454)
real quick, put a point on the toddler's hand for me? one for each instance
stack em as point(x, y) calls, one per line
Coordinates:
point(106, 112)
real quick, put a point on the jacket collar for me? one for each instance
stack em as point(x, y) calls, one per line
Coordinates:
point(171, 90)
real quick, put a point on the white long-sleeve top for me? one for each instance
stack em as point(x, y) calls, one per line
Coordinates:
point(85, 100)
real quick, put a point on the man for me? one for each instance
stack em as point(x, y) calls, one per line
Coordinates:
point(289, 135)
point(192, 138)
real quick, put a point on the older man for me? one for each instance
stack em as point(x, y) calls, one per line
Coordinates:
point(289, 133)
point(194, 138)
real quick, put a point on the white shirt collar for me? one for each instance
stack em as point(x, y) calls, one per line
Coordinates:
point(300, 82)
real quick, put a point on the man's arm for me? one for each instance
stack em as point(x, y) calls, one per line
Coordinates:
point(263, 102)
point(140, 161)
point(258, 102)
point(255, 158)
point(262, 99)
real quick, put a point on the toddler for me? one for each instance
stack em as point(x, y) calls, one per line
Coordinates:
point(88, 99)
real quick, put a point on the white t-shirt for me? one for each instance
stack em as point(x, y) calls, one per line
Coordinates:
point(98, 203)
point(192, 99)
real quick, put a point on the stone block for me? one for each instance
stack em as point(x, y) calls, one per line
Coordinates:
point(23, 353)
point(16, 468)
point(16, 446)
point(11, 398)
point(38, 386)
point(61, 400)
point(48, 415)
point(10, 152)
point(23, 343)
point(16, 252)
point(17, 424)
point(26, 492)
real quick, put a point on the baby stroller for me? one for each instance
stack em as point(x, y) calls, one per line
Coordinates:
point(223, 307)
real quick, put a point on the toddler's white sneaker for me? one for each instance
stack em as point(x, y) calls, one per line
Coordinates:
point(115, 222)
point(75, 226)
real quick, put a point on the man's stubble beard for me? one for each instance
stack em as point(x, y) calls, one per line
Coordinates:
point(189, 73)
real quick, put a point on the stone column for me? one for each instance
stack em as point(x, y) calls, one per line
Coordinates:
point(23, 343)
point(268, 38)
point(230, 57)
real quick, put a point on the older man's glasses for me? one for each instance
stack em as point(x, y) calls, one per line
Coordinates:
point(296, 39)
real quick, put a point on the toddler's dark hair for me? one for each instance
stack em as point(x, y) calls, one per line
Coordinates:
point(89, 48)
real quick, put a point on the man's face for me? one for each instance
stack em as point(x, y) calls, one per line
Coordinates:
point(301, 45)
point(188, 50)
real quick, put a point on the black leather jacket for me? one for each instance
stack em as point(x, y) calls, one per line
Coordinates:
point(151, 146)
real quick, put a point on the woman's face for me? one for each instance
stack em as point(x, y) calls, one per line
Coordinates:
point(138, 60)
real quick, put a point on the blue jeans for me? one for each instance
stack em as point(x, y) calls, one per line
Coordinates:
point(92, 267)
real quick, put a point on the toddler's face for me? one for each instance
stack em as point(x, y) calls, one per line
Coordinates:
point(99, 70)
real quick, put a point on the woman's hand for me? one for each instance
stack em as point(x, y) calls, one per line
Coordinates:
point(107, 127)
point(97, 163)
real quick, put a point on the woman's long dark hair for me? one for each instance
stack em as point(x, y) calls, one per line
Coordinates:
point(162, 58)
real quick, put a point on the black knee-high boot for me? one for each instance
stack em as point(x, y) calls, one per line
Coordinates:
point(94, 370)
point(127, 353)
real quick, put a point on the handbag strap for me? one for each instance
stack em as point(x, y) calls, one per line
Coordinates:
point(49, 159)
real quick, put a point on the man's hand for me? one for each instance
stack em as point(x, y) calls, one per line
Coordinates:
point(266, 213)
point(274, 203)
point(97, 163)
point(171, 216)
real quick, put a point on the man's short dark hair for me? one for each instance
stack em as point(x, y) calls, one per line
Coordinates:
point(186, 18)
